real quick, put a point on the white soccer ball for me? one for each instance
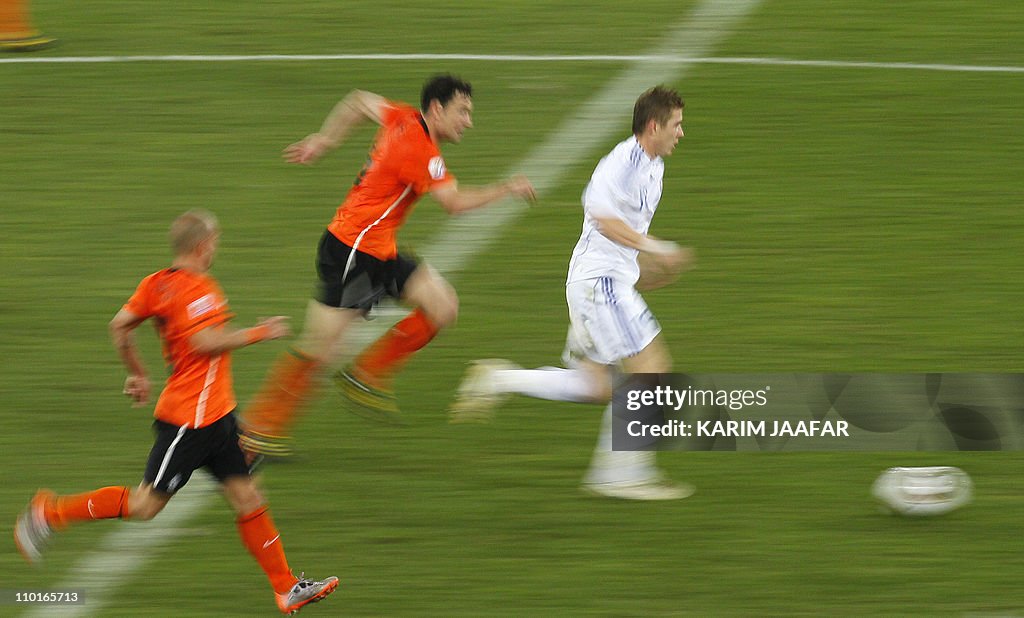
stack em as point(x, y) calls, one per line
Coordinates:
point(925, 491)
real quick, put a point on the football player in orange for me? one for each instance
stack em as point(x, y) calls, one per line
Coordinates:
point(16, 31)
point(358, 262)
point(195, 422)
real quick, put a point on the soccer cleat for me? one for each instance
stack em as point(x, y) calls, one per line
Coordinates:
point(33, 41)
point(652, 489)
point(304, 592)
point(477, 397)
point(32, 532)
point(371, 402)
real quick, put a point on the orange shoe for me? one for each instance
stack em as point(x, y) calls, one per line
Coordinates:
point(32, 532)
point(304, 592)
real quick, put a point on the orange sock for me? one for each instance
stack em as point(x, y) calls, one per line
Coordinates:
point(386, 356)
point(273, 410)
point(263, 541)
point(14, 20)
point(104, 503)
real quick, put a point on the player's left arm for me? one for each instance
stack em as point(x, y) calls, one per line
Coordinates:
point(663, 260)
point(211, 340)
point(136, 385)
point(456, 200)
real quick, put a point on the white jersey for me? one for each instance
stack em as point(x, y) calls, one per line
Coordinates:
point(626, 185)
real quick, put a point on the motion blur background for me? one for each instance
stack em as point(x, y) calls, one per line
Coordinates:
point(846, 217)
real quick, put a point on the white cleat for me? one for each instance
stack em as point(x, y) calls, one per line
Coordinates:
point(304, 592)
point(477, 396)
point(31, 532)
point(653, 489)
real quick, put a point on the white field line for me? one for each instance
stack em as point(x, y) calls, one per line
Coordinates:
point(604, 117)
point(649, 58)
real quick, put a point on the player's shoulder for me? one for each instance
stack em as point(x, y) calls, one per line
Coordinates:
point(406, 130)
point(626, 150)
point(624, 158)
point(398, 114)
point(180, 284)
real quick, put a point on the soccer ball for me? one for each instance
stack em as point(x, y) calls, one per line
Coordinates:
point(919, 492)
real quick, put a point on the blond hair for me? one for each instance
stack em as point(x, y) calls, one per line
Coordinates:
point(191, 229)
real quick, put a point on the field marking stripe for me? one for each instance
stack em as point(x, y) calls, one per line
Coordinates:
point(604, 117)
point(647, 58)
point(129, 546)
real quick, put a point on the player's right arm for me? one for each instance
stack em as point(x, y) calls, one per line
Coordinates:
point(356, 108)
point(212, 340)
point(122, 327)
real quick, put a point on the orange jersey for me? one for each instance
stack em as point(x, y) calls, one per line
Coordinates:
point(404, 164)
point(199, 390)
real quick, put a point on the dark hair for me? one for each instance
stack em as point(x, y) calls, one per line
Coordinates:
point(443, 88)
point(658, 103)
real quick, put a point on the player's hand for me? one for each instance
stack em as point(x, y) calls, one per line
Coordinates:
point(520, 186)
point(276, 327)
point(661, 268)
point(137, 389)
point(678, 261)
point(308, 150)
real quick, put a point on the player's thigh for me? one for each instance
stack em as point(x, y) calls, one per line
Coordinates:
point(427, 289)
point(176, 453)
point(324, 326)
point(654, 358)
point(609, 321)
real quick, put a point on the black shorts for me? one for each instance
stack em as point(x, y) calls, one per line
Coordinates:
point(359, 282)
point(179, 451)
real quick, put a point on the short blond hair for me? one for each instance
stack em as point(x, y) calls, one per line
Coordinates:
point(191, 229)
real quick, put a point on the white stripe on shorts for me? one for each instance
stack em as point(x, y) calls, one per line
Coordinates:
point(169, 454)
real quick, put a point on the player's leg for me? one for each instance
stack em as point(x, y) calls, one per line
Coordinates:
point(632, 475)
point(615, 325)
point(368, 381)
point(16, 32)
point(259, 534)
point(171, 461)
point(489, 381)
point(291, 381)
point(48, 513)
point(586, 380)
point(435, 306)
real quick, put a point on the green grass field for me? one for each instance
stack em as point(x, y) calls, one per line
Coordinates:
point(845, 219)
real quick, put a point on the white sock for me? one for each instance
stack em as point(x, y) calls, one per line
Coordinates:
point(608, 466)
point(551, 383)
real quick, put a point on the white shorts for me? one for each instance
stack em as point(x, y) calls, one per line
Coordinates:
point(608, 321)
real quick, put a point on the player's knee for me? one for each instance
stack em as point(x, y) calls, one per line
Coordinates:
point(601, 392)
point(249, 503)
point(243, 495)
point(145, 508)
point(444, 311)
point(448, 312)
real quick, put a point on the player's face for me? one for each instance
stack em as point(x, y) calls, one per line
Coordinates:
point(456, 117)
point(667, 135)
